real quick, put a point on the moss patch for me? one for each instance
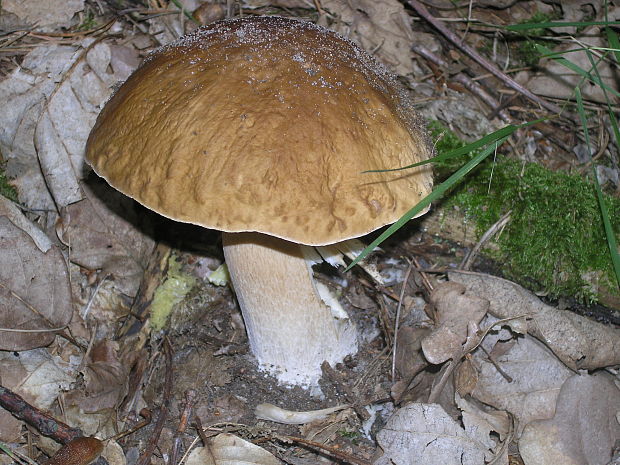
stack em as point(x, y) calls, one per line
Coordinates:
point(172, 291)
point(555, 241)
point(6, 189)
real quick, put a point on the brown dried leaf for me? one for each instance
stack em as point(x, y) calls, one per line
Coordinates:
point(409, 358)
point(536, 377)
point(455, 310)
point(44, 105)
point(424, 433)
point(578, 341)
point(584, 428)
point(466, 378)
point(379, 27)
point(106, 378)
point(48, 15)
point(227, 448)
point(37, 376)
point(34, 290)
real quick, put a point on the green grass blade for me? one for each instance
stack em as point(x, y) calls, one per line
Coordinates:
point(552, 24)
point(609, 232)
point(488, 139)
point(612, 37)
point(436, 194)
point(573, 67)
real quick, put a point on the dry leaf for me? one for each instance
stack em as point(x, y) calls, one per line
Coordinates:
point(584, 428)
point(536, 377)
point(425, 433)
point(228, 449)
point(47, 15)
point(105, 380)
point(409, 358)
point(44, 104)
point(34, 290)
point(23, 94)
point(15, 215)
point(578, 341)
point(381, 28)
point(466, 378)
point(35, 375)
point(279, 4)
point(113, 453)
point(67, 119)
point(474, 417)
point(455, 310)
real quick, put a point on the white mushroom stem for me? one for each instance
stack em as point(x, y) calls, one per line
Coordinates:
point(290, 329)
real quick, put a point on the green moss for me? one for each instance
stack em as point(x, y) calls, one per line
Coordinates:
point(89, 21)
point(555, 239)
point(172, 291)
point(6, 189)
point(526, 50)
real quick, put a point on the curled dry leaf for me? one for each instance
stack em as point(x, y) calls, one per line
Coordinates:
point(455, 310)
point(45, 105)
point(578, 341)
point(15, 215)
point(585, 426)
point(409, 358)
point(226, 449)
point(425, 433)
point(381, 28)
point(529, 381)
point(105, 380)
point(466, 378)
point(34, 290)
point(493, 421)
point(67, 119)
point(114, 453)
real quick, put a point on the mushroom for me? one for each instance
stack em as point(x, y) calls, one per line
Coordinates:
point(261, 127)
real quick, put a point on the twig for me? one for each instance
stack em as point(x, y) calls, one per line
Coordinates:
point(145, 457)
point(397, 322)
point(465, 81)
point(190, 397)
point(499, 369)
point(490, 67)
point(489, 233)
point(41, 421)
point(347, 458)
point(203, 438)
point(144, 413)
point(425, 281)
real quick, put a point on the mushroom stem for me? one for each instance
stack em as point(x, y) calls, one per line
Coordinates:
point(290, 329)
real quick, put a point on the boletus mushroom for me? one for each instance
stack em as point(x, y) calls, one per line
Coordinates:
point(261, 127)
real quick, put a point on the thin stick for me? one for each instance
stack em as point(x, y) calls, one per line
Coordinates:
point(489, 233)
point(466, 82)
point(397, 322)
point(41, 421)
point(330, 450)
point(490, 67)
point(145, 457)
point(177, 443)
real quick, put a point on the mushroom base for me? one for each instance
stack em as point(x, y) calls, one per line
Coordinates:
point(290, 329)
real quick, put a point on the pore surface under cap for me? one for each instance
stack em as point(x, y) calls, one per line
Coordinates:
point(264, 124)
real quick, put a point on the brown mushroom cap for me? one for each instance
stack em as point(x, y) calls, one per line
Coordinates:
point(264, 124)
